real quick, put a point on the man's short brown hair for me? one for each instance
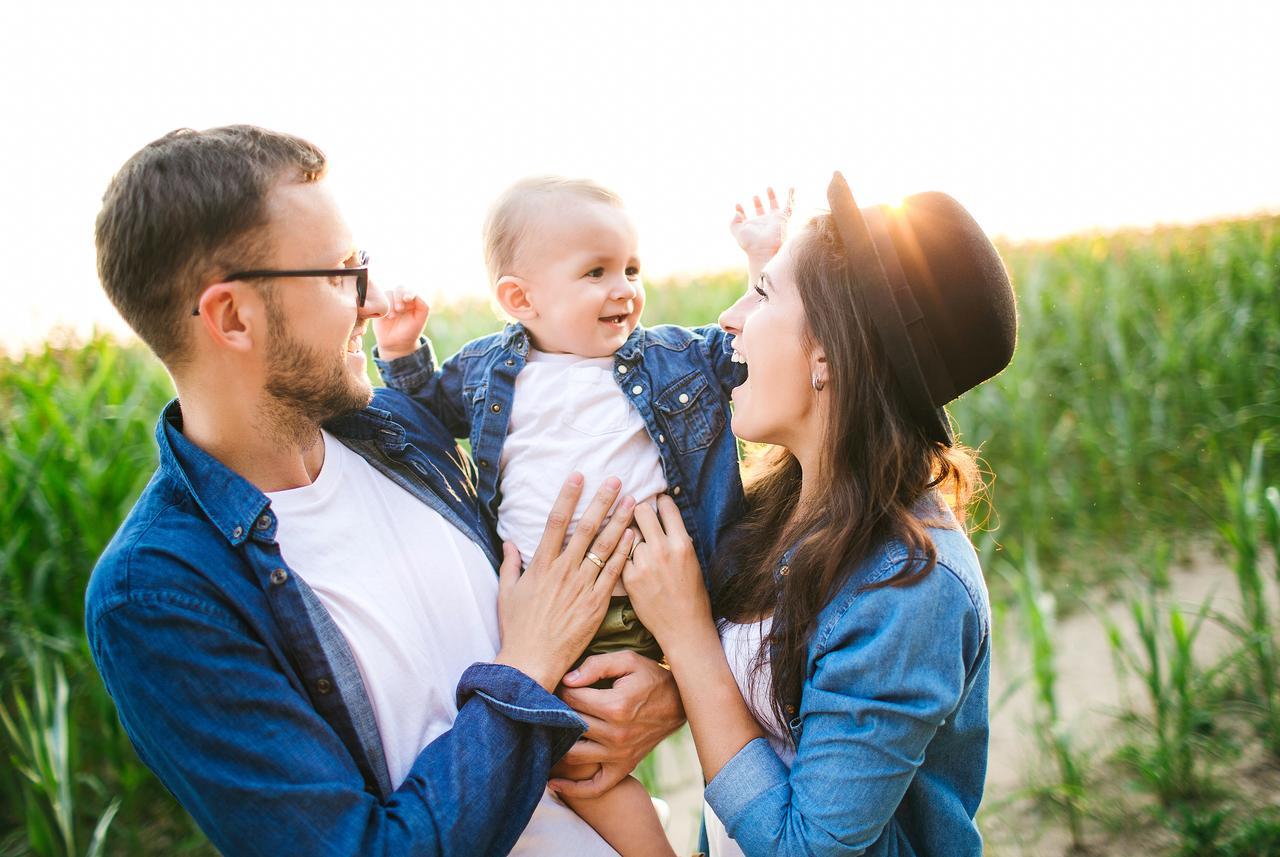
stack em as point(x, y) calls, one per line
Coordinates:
point(184, 210)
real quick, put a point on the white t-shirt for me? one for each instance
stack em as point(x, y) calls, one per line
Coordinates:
point(569, 414)
point(741, 644)
point(417, 601)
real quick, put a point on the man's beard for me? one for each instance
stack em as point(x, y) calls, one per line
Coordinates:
point(306, 387)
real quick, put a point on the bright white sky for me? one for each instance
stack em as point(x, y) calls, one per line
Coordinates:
point(1042, 119)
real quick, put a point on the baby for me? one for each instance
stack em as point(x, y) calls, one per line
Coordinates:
point(577, 383)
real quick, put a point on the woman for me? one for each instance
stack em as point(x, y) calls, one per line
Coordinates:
point(853, 612)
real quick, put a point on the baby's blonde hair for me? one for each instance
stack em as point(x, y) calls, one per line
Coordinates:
point(511, 217)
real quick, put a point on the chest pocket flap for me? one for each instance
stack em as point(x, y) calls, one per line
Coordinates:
point(691, 412)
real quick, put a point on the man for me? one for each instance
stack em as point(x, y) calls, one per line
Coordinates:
point(287, 617)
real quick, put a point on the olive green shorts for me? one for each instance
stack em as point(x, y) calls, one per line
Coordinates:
point(621, 630)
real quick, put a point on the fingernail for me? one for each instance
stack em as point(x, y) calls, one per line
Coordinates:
point(575, 478)
point(613, 482)
point(572, 676)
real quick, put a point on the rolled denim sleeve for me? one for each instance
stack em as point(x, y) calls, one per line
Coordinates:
point(717, 345)
point(892, 670)
point(215, 712)
point(439, 389)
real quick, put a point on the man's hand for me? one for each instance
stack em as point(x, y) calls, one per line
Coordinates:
point(624, 722)
point(761, 236)
point(398, 329)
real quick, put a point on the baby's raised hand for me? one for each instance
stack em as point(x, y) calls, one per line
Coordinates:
point(399, 328)
point(762, 235)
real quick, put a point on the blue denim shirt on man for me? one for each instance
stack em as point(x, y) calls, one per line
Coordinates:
point(678, 378)
point(891, 731)
point(238, 690)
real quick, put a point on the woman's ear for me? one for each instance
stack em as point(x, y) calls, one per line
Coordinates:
point(513, 297)
point(818, 368)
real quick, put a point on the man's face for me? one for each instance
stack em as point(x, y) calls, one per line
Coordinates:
point(582, 275)
point(315, 363)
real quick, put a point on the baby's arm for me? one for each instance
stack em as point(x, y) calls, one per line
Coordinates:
point(761, 236)
point(624, 816)
point(407, 362)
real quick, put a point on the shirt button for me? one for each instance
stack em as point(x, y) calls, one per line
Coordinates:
point(496, 408)
point(279, 576)
point(622, 370)
point(784, 571)
point(684, 398)
point(510, 362)
point(637, 390)
point(323, 686)
point(483, 463)
point(791, 709)
point(662, 438)
point(237, 532)
point(675, 492)
point(263, 522)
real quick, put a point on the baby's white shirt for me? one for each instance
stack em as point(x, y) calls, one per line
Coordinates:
point(569, 414)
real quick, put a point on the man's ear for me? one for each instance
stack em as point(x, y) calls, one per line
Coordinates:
point(232, 317)
point(513, 297)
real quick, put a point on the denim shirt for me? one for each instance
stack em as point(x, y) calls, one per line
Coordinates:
point(678, 378)
point(238, 690)
point(891, 732)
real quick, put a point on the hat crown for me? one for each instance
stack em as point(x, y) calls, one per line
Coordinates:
point(936, 293)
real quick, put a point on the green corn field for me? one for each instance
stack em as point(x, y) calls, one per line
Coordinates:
point(1138, 424)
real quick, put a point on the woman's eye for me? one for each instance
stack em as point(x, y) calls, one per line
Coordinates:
point(595, 273)
point(760, 295)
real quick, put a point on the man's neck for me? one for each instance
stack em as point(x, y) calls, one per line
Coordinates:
point(273, 454)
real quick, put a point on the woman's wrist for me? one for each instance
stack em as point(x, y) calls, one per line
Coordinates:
point(693, 641)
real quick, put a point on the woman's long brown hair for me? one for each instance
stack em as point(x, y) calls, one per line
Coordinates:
point(876, 464)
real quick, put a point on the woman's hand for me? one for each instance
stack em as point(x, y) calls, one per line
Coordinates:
point(664, 579)
point(398, 329)
point(547, 615)
point(761, 236)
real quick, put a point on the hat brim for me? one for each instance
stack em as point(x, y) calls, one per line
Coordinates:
point(878, 277)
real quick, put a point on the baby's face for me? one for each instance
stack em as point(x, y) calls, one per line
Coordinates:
point(582, 275)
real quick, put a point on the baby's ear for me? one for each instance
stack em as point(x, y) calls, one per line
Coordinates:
point(513, 297)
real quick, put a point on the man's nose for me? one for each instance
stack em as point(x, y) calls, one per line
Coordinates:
point(375, 302)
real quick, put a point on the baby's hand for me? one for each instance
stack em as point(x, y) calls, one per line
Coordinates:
point(398, 330)
point(762, 235)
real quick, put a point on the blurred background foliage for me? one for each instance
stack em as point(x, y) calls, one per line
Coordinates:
point(1139, 418)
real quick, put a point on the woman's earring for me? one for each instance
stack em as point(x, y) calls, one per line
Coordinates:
point(817, 382)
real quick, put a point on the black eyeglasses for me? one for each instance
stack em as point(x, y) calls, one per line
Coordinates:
point(360, 272)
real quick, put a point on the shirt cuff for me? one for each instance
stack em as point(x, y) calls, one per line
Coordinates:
point(754, 770)
point(410, 372)
point(519, 697)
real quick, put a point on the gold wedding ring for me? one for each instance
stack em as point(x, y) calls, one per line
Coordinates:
point(597, 560)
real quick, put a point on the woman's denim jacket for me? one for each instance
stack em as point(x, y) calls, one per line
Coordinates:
point(238, 690)
point(891, 733)
point(678, 378)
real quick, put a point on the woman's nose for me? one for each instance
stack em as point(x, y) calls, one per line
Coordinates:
point(734, 316)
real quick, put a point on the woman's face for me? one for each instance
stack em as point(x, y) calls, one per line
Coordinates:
point(777, 404)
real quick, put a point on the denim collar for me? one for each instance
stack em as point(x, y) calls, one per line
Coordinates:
point(231, 502)
point(516, 337)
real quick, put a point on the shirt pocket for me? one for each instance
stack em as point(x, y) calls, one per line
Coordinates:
point(593, 405)
point(691, 412)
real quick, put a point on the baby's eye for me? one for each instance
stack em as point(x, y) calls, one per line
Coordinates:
point(596, 273)
point(633, 272)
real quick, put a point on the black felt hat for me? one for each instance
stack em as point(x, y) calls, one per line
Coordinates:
point(936, 293)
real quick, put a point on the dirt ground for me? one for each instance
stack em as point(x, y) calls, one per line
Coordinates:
point(1090, 695)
